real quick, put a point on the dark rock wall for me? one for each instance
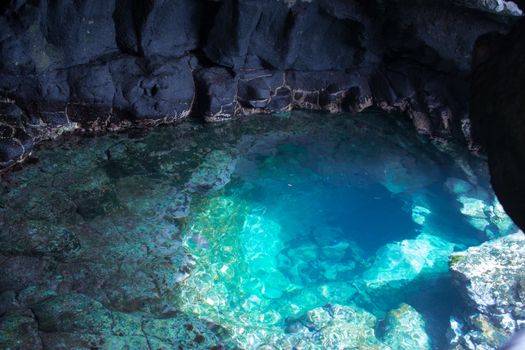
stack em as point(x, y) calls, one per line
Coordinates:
point(498, 114)
point(104, 65)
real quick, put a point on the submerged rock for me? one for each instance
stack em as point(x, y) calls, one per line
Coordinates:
point(397, 264)
point(492, 278)
point(335, 326)
point(36, 237)
point(345, 327)
point(338, 327)
point(214, 173)
point(419, 214)
point(19, 330)
point(457, 186)
point(250, 257)
point(405, 329)
point(77, 321)
point(489, 218)
point(481, 208)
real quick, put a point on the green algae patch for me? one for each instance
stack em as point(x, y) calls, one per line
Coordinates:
point(455, 259)
point(282, 115)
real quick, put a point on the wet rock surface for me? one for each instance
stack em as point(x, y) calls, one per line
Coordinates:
point(75, 321)
point(491, 277)
point(98, 67)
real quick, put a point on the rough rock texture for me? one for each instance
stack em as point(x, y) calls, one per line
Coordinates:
point(76, 321)
point(74, 277)
point(397, 264)
point(94, 66)
point(492, 279)
point(336, 326)
point(495, 6)
point(498, 114)
point(405, 329)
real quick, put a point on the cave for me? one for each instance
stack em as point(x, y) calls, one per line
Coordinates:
point(273, 174)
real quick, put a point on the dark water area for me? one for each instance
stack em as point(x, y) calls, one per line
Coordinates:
point(310, 231)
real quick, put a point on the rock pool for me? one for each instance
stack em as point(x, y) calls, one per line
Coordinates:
point(307, 231)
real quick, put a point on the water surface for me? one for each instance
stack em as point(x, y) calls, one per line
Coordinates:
point(308, 231)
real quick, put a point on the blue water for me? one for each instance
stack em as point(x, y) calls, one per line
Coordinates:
point(311, 213)
point(311, 231)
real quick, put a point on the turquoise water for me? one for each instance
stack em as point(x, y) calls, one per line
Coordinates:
point(311, 231)
point(353, 211)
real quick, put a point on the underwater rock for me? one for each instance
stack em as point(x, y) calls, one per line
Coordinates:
point(21, 271)
point(178, 205)
point(419, 214)
point(397, 264)
point(74, 320)
point(338, 327)
point(38, 238)
point(477, 332)
point(19, 330)
point(458, 186)
point(260, 255)
point(490, 218)
point(76, 313)
point(492, 278)
point(405, 330)
point(214, 173)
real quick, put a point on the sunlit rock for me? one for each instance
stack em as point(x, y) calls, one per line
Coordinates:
point(504, 7)
point(491, 277)
point(419, 214)
point(397, 264)
point(340, 327)
point(240, 247)
point(489, 218)
point(405, 330)
point(472, 207)
point(501, 220)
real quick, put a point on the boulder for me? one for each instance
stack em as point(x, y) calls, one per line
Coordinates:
point(398, 264)
point(491, 278)
point(405, 329)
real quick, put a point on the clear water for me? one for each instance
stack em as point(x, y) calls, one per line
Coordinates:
point(310, 231)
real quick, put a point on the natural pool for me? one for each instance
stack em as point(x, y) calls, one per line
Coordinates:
point(305, 231)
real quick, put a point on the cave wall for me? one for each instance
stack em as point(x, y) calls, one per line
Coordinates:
point(497, 103)
point(106, 65)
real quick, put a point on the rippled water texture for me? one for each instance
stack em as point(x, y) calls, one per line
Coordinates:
point(309, 231)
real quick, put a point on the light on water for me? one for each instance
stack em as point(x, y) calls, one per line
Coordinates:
point(308, 232)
